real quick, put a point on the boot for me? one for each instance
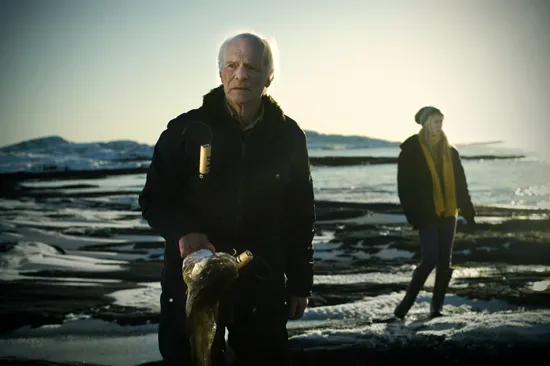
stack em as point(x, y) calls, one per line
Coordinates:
point(442, 279)
point(416, 284)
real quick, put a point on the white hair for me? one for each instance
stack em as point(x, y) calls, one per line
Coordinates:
point(268, 63)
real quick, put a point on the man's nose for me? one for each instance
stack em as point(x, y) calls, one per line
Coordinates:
point(241, 73)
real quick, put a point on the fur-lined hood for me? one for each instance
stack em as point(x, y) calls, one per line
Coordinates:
point(213, 103)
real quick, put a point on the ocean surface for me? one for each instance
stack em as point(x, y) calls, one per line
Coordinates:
point(517, 183)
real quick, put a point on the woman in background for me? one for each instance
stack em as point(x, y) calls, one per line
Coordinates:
point(432, 189)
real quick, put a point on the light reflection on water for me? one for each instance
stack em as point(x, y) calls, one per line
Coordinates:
point(523, 183)
point(504, 183)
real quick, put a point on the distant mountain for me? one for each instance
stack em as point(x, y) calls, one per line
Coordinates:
point(328, 141)
point(54, 153)
point(36, 144)
point(315, 140)
point(481, 143)
point(50, 144)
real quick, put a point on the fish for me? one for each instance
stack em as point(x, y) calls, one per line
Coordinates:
point(208, 276)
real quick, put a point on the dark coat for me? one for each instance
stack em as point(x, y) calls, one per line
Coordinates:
point(258, 195)
point(415, 185)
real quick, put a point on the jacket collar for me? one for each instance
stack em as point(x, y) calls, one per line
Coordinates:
point(214, 104)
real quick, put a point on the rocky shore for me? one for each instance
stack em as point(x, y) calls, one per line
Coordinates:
point(364, 253)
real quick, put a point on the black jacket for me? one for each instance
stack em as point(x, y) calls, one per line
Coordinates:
point(258, 194)
point(415, 185)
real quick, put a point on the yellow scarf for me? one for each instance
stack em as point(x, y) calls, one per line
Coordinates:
point(445, 204)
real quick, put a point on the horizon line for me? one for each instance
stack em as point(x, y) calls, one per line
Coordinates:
point(490, 142)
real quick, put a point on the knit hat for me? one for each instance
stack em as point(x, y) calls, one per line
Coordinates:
point(422, 115)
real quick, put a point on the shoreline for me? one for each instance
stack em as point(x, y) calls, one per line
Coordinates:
point(323, 161)
point(12, 186)
point(365, 252)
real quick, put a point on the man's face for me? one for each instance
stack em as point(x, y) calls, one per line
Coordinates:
point(243, 73)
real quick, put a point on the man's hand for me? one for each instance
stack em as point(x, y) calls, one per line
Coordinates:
point(193, 242)
point(296, 306)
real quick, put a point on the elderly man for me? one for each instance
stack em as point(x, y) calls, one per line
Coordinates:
point(254, 193)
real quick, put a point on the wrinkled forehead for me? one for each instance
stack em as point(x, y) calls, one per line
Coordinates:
point(247, 50)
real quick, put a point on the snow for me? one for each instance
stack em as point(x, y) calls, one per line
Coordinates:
point(469, 321)
point(146, 297)
point(466, 328)
point(56, 154)
point(382, 306)
point(81, 326)
point(54, 238)
point(326, 249)
point(56, 224)
point(372, 277)
point(387, 253)
point(369, 219)
point(357, 322)
point(26, 256)
point(337, 254)
point(541, 285)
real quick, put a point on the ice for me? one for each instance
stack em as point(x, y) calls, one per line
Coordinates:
point(28, 256)
point(145, 297)
point(541, 285)
point(469, 321)
point(45, 154)
point(369, 219)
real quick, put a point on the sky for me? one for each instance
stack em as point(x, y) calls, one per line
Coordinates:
point(110, 70)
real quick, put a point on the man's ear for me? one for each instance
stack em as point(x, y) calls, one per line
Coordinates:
point(268, 82)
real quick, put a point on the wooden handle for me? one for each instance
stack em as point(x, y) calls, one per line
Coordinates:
point(205, 159)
